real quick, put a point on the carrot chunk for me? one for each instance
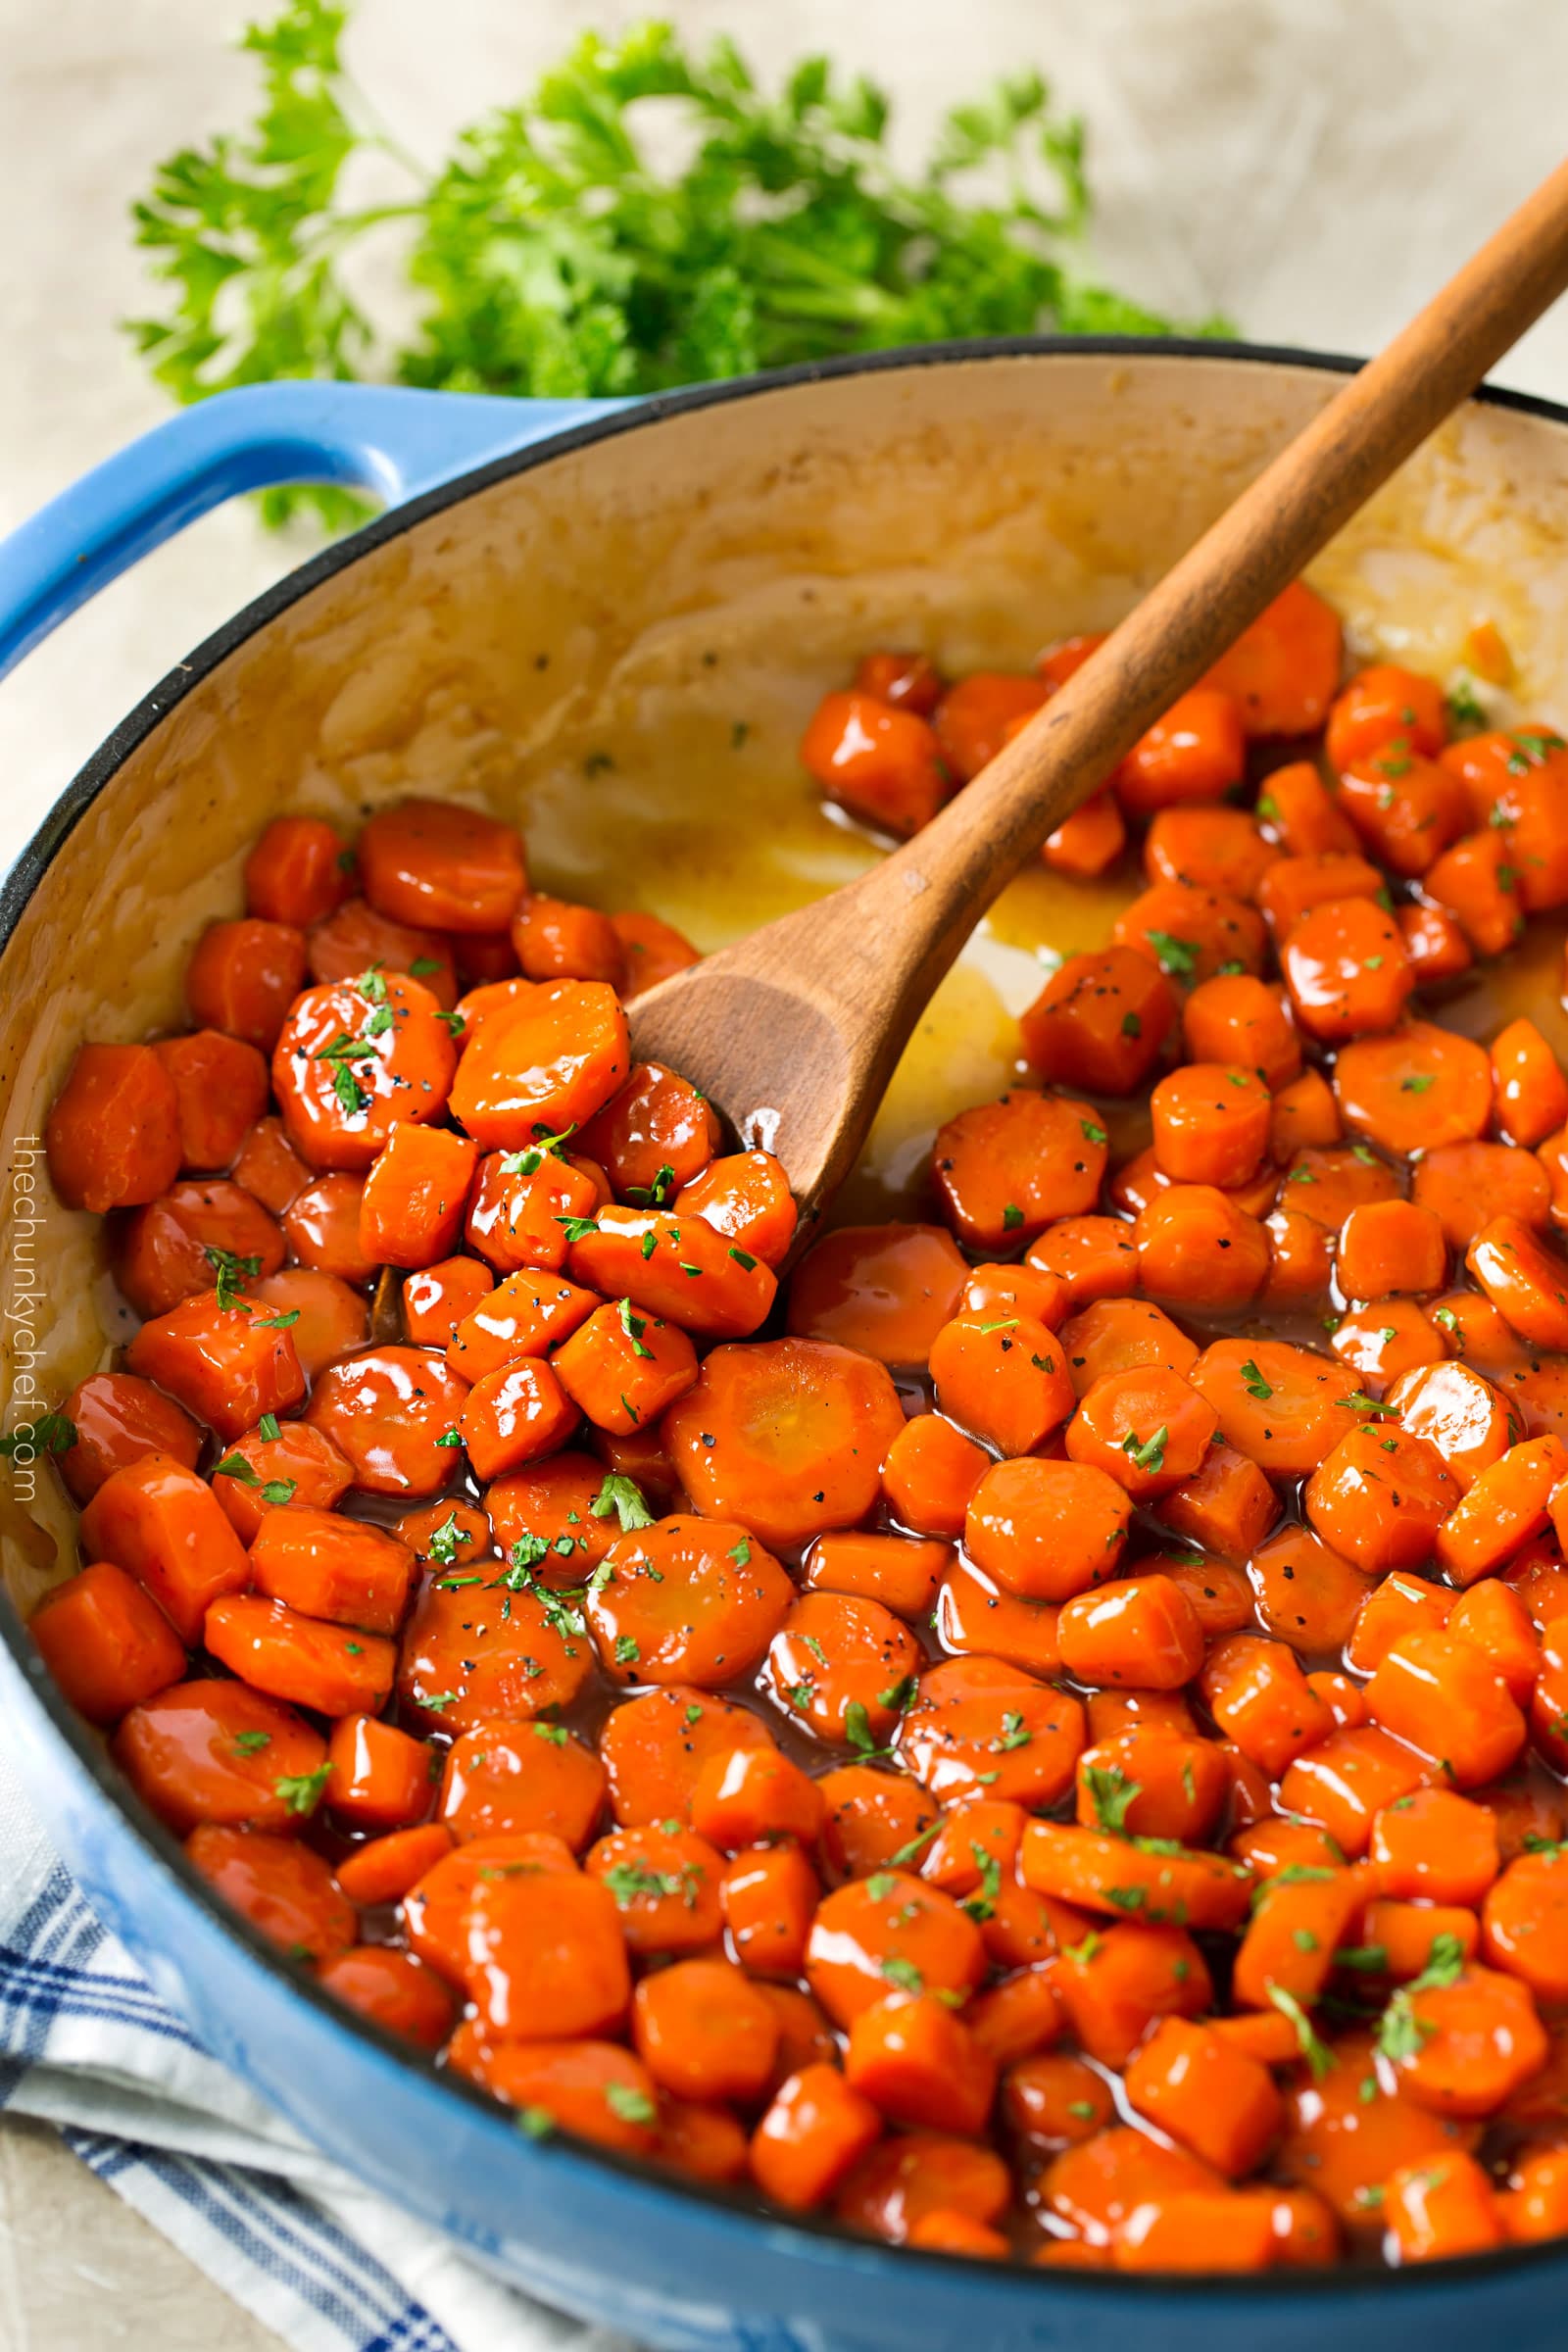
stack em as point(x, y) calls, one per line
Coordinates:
point(220, 1091)
point(1346, 970)
point(1524, 1279)
point(112, 1133)
point(886, 1290)
point(242, 978)
point(158, 1521)
point(1210, 2098)
point(106, 1642)
point(441, 867)
point(882, 763)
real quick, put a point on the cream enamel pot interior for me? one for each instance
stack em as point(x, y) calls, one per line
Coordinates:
point(614, 638)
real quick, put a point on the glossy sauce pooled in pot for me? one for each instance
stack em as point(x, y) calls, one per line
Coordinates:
point(1040, 1733)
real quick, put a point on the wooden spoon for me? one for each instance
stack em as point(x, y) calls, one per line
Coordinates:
point(795, 1031)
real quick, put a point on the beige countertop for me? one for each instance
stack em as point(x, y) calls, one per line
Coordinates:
point(1313, 166)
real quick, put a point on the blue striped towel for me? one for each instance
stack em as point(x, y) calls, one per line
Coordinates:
point(87, 2046)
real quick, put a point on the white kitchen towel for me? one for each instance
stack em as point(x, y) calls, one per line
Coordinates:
point(86, 2045)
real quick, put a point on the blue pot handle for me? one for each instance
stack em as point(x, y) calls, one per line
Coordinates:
point(370, 437)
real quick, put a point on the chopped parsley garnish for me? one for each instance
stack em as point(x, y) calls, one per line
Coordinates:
point(51, 1433)
point(303, 1791)
point(624, 1497)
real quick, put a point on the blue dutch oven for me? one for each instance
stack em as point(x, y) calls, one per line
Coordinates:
point(609, 620)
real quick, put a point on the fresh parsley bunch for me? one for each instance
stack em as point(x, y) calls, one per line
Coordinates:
point(552, 255)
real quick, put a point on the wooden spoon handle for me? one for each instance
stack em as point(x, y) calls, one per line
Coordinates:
point(927, 898)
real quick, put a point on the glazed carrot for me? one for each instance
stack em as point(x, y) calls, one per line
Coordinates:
point(1379, 704)
point(1208, 849)
point(930, 1472)
point(1194, 1243)
point(1525, 1923)
point(1387, 1246)
point(218, 1752)
point(1053, 2099)
point(332, 1668)
point(977, 1614)
point(1346, 970)
point(1380, 1497)
point(436, 1892)
point(1201, 2229)
point(1217, 1589)
point(1209, 2098)
point(844, 1667)
point(543, 1067)
point(622, 1368)
point(1284, 670)
point(1466, 1185)
point(356, 1058)
point(112, 1133)
point(1093, 1257)
point(687, 1600)
point(1435, 1846)
point(1442, 2206)
point(746, 1197)
point(1003, 1378)
point(1523, 1278)
point(553, 939)
point(1123, 1335)
point(1141, 1180)
point(1514, 781)
point(769, 1895)
point(1460, 1414)
point(1211, 1123)
point(656, 1746)
point(380, 1778)
point(220, 1091)
point(884, 764)
point(269, 1167)
point(1226, 1505)
point(503, 1779)
point(242, 978)
point(1535, 2203)
point(1192, 934)
point(332, 1567)
point(651, 951)
point(157, 1520)
point(1303, 1918)
point(411, 1210)
point(395, 1412)
point(873, 1819)
point(1196, 752)
point(665, 1884)
point(1415, 1091)
point(1301, 815)
point(1434, 943)
point(1044, 1530)
point(1236, 1021)
point(901, 1574)
point(1148, 1429)
point(522, 1207)
point(1442, 1698)
point(441, 867)
point(1099, 1021)
point(322, 1226)
point(1089, 841)
point(789, 1434)
point(356, 939)
point(653, 1137)
point(1493, 1617)
point(1261, 1698)
point(1303, 1114)
point(908, 681)
point(890, 1929)
point(974, 717)
point(1530, 1090)
point(170, 1249)
point(1140, 1630)
point(524, 1314)
point(545, 1957)
point(1119, 1978)
point(680, 1268)
point(700, 2139)
point(106, 1641)
point(1294, 888)
point(1476, 882)
point(886, 1290)
point(1282, 1406)
point(1300, 1260)
point(1153, 1782)
point(593, 2089)
point(284, 1889)
point(1505, 1505)
point(919, 2065)
point(1476, 2040)
point(1005, 1171)
point(1406, 808)
point(1306, 1594)
point(815, 2129)
point(118, 1418)
point(296, 872)
point(977, 1724)
point(1108, 1874)
point(469, 1654)
point(394, 1988)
